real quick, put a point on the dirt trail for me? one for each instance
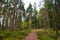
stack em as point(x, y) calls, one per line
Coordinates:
point(32, 36)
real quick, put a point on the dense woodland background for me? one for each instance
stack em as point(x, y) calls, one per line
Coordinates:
point(18, 21)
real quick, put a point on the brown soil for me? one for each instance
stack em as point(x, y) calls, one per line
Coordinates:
point(32, 36)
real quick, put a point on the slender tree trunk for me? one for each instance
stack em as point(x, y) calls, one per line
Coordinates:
point(7, 16)
point(4, 19)
point(13, 14)
point(30, 21)
point(57, 18)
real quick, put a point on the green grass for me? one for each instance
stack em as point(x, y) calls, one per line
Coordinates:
point(46, 35)
point(15, 35)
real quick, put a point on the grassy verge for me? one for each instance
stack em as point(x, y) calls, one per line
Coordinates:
point(46, 35)
point(15, 35)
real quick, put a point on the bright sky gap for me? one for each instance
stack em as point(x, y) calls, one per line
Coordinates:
point(38, 2)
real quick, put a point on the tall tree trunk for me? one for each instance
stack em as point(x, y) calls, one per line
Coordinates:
point(7, 16)
point(30, 21)
point(13, 14)
point(57, 18)
point(4, 19)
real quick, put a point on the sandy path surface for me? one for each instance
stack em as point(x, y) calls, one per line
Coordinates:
point(32, 36)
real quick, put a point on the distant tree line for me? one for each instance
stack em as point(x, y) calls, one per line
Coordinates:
point(16, 16)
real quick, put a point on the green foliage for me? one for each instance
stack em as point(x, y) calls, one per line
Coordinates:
point(46, 35)
point(29, 9)
point(15, 35)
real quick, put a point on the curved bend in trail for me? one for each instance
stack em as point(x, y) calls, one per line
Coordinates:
point(32, 36)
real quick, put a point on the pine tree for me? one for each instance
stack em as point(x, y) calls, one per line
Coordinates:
point(21, 12)
point(35, 16)
point(54, 14)
point(30, 11)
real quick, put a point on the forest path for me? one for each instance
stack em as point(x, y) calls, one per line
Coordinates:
point(32, 35)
